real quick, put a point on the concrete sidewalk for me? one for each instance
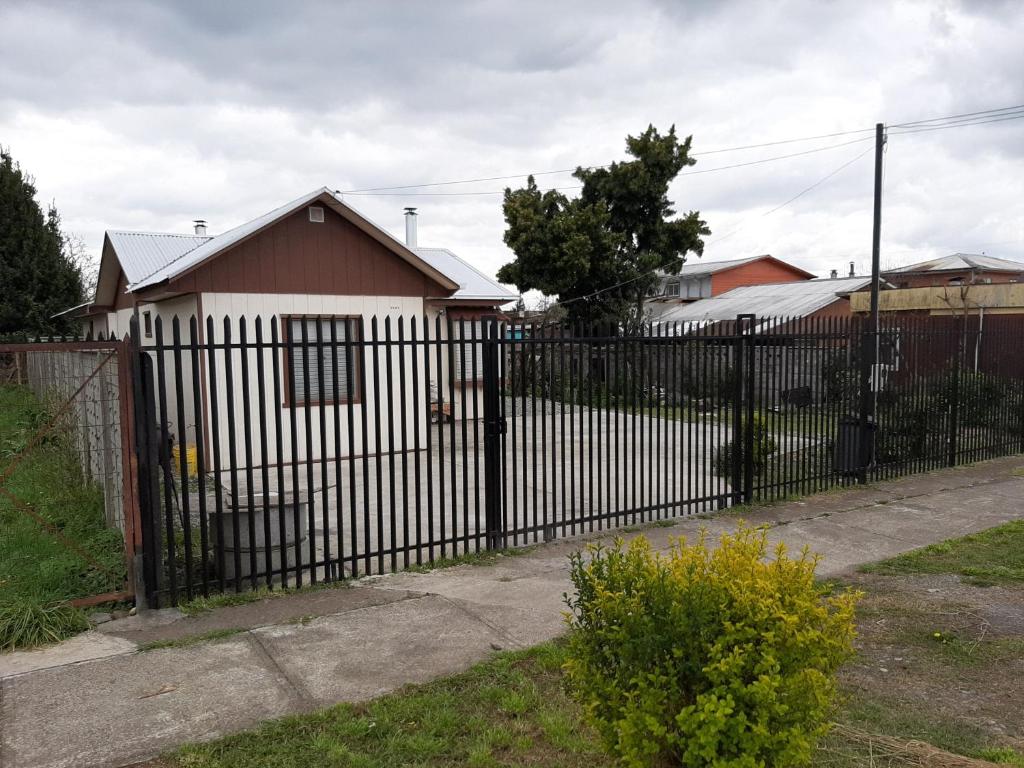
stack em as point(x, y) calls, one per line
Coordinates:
point(97, 701)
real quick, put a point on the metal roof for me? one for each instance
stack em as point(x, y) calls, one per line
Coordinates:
point(700, 268)
point(695, 268)
point(794, 300)
point(473, 284)
point(961, 261)
point(145, 253)
point(163, 257)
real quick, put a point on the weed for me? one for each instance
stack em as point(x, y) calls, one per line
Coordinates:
point(995, 556)
point(28, 624)
point(190, 640)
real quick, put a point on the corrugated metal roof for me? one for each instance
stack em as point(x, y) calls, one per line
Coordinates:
point(145, 253)
point(961, 261)
point(797, 299)
point(473, 284)
point(699, 268)
point(695, 268)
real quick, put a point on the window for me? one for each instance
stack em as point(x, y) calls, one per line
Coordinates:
point(305, 360)
point(463, 349)
point(316, 214)
point(147, 324)
point(672, 288)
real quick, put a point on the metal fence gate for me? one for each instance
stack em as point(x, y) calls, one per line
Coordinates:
point(299, 450)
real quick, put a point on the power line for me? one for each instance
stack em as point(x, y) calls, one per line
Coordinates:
point(508, 177)
point(1016, 116)
point(954, 117)
point(684, 173)
point(800, 194)
point(795, 197)
point(961, 119)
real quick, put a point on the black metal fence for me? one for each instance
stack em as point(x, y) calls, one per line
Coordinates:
point(303, 450)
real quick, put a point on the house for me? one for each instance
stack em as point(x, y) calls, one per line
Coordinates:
point(314, 266)
point(960, 284)
point(805, 299)
point(704, 279)
point(956, 269)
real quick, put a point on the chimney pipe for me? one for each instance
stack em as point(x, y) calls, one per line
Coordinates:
point(834, 274)
point(200, 226)
point(410, 227)
point(852, 273)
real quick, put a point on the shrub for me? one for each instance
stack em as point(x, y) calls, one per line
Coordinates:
point(706, 656)
point(764, 446)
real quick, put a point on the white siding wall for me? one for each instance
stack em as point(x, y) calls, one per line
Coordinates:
point(184, 425)
point(267, 306)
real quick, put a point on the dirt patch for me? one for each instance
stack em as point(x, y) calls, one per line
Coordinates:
point(934, 650)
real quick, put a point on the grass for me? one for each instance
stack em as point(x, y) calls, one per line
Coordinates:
point(483, 557)
point(37, 571)
point(190, 640)
point(200, 605)
point(25, 624)
point(514, 710)
point(995, 556)
point(510, 710)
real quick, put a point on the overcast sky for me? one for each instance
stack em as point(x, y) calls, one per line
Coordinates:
point(146, 115)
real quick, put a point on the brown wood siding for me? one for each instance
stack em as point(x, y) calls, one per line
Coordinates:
point(296, 255)
point(839, 308)
point(122, 300)
point(934, 279)
point(761, 272)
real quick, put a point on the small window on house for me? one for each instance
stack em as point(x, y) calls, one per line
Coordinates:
point(464, 334)
point(956, 281)
point(316, 214)
point(312, 362)
point(147, 325)
point(672, 288)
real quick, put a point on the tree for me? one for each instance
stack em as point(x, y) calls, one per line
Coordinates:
point(601, 252)
point(38, 276)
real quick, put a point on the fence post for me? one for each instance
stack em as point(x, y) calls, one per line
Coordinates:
point(743, 411)
point(148, 465)
point(954, 405)
point(494, 428)
point(865, 433)
point(748, 395)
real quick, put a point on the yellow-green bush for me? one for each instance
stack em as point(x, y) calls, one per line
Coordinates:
point(707, 656)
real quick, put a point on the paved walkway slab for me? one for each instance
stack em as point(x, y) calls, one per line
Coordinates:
point(112, 706)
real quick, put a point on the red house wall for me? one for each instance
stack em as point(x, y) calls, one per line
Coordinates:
point(760, 272)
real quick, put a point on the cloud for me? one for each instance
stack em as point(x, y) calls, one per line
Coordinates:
point(149, 114)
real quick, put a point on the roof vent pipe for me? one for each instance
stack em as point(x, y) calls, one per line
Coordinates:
point(834, 274)
point(410, 227)
point(852, 273)
point(200, 226)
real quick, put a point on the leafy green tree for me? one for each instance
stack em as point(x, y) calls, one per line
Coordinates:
point(601, 252)
point(38, 276)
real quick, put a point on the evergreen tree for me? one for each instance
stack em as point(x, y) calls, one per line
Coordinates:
point(601, 252)
point(38, 278)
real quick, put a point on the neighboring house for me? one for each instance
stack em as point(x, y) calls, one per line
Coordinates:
point(704, 279)
point(958, 284)
point(817, 298)
point(314, 264)
point(981, 299)
point(956, 269)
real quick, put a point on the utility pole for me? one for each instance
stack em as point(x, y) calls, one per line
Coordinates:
point(876, 233)
point(869, 340)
